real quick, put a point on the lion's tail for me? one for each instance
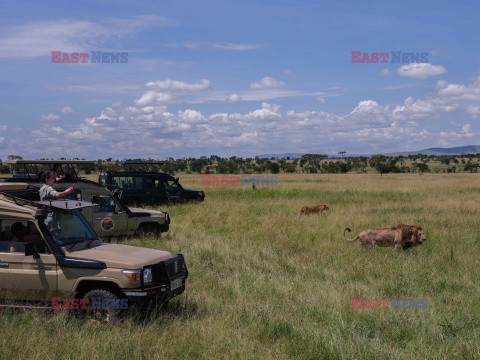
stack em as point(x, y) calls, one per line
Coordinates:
point(344, 231)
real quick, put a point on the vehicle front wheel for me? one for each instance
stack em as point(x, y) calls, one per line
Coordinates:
point(104, 307)
point(148, 230)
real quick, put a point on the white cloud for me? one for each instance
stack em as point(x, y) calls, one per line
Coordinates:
point(146, 124)
point(50, 118)
point(169, 84)
point(67, 110)
point(39, 38)
point(321, 100)
point(287, 71)
point(267, 83)
point(421, 70)
point(385, 72)
point(234, 98)
point(155, 98)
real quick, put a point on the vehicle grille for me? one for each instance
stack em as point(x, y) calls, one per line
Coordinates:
point(169, 270)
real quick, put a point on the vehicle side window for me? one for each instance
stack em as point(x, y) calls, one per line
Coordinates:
point(105, 204)
point(76, 195)
point(14, 233)
point(171, 187)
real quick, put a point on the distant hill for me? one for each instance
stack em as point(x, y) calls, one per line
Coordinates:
point(459, 150)
point(281, 156)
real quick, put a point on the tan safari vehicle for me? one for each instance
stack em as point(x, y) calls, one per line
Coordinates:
point(111, 216)
point(49, 251)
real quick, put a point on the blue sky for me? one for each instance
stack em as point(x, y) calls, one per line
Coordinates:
point(236, 78)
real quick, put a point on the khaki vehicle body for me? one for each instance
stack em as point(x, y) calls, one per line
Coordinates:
point(62, 256)
point(112, 217)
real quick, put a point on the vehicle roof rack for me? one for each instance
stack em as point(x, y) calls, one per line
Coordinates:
point(17, 161)
point(66, 204)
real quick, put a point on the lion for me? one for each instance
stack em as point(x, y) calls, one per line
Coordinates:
point(401, 236)
point(306, 210)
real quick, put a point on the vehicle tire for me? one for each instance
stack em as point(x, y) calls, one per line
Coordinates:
point(111, 314)
point(148, 230)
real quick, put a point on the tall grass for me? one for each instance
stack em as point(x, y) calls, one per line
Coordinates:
point(266, 284)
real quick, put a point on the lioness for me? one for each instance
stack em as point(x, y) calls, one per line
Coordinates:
point(401, 236)
point(313, 209)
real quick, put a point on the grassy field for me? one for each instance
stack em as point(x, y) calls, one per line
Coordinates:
point(265, 284)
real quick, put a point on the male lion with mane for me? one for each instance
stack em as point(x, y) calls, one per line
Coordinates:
point(401, 236)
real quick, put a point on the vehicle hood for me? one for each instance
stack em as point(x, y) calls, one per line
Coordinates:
point(191, 191)
point(147, 211)
point(122, 256)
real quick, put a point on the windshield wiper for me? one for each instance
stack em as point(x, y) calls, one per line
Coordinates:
point(92, 239)
point(75, 243)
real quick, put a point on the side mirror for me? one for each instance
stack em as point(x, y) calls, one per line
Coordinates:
point(30, 250)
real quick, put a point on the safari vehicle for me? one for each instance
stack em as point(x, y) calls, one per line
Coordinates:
point(148, 187)
point(59, 255)
point(110, 217)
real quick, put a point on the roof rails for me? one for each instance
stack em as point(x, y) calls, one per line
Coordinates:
point(22, 202)
point(17, 161)
point(67, 204)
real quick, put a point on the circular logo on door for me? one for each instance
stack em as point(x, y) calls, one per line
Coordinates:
point(107, 224)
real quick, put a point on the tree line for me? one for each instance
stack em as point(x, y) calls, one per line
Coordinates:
point(308, 163)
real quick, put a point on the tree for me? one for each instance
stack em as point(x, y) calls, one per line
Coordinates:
point(383, 164)
point(472, 167)
point(273, 167)
point(422, 167)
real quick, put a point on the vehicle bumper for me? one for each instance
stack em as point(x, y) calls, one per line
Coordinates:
point(169, 280)
point(160, 292)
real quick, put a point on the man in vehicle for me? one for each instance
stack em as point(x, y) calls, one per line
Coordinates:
point(18, 243)
point(47, 192)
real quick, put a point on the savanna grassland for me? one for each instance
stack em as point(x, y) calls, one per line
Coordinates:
point(266, 284)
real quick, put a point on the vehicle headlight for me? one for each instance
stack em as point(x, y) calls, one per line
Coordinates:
point(147, 276)
point(134, 275)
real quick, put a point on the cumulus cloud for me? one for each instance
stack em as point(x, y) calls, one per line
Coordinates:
point(147, 124)
point(155, 98)
point(50, 118)
point(267, 83)
point(421, 70)
point(385, 72)
point(234, 98)
point(169, 84)
point(67, 110)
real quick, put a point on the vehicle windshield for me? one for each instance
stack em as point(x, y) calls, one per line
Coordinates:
point(68, 227)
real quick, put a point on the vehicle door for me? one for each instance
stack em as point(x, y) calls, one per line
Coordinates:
point(172, 190)
point(25, 277)
point(107, 218)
